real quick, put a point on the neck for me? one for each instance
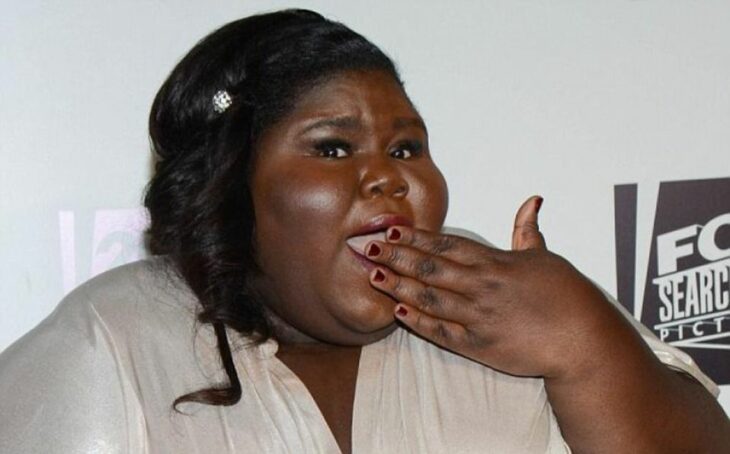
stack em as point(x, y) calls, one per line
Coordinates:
point(290, 338)
point(286, 334)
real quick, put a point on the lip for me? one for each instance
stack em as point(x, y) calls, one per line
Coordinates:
point(368, 264)
point(383, 222)
point(375, 225)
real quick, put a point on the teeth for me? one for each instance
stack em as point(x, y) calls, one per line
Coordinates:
point(358, 243)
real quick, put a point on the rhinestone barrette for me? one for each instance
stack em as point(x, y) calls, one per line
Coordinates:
point(221, 101)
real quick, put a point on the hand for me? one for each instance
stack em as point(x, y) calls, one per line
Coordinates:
point(525, 312)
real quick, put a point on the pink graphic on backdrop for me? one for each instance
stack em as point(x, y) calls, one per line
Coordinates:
point(68, 249)
point(117, 238)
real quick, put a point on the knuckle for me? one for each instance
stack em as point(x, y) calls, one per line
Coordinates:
point(538, 257)
point(418, 322)
point(490, 279)
point(425, 268)
point(485, 263)
point(475, 340)
point(409, 237)
point(501, 268)
point(397, 285)
point(441, 332)
point(526, 235)
point(490, 286)
point(530, 225)
point(442, 244)
point(427, 298)
point(472, 339)
point(394, 255)
point(526, 226)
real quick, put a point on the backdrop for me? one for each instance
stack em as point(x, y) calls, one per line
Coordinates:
point(616, 112)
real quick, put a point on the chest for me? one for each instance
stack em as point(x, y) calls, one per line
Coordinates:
point(396, 397)
point(330, 377)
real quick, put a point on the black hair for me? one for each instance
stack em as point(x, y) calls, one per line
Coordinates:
point(199, 198)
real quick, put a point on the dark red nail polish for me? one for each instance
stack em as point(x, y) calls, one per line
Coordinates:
point(379, 276)
point(538, 204)
point(401, 312)
point(373, 250)
point(394, 235)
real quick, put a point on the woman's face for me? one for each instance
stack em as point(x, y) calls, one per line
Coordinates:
point(351, 158)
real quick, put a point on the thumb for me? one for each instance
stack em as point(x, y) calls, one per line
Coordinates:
point(526, 233)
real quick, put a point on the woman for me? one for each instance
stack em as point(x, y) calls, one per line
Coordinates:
point(303, 298)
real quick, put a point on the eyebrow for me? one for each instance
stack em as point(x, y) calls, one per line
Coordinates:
point(337, 122)
point(352, 123)
point(409, 122)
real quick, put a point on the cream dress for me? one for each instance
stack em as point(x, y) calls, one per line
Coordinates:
point(99, 375)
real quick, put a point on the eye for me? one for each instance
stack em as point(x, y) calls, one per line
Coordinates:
point(333, 149)
point(407, 150)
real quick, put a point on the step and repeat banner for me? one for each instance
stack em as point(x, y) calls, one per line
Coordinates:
point(617, 113)
point(685, 297)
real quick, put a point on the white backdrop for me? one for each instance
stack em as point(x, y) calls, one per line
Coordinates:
point(564, 98)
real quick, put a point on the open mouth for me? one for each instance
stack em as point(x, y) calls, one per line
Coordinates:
point(358, 243)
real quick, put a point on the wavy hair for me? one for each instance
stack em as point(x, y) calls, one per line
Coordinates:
point(199, 199)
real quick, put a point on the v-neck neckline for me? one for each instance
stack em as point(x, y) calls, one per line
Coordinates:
point(307, 402)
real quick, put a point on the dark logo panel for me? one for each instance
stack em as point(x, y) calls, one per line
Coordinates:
point(687, 287)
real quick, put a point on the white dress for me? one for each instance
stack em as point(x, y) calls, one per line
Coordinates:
point(99, 375)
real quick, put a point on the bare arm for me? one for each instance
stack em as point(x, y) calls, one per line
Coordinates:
point(620, 398)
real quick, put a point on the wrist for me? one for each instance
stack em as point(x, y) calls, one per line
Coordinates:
point(601, 339)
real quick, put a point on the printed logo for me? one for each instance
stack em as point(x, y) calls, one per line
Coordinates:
point(686, 299)
point(92, 243)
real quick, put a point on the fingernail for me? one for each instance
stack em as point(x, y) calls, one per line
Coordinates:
point(394, 234)
point(373, 250)
point(379, 276)
point(401, 311)
point(538, 204)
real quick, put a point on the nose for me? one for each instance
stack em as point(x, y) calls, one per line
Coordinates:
point(383, 179)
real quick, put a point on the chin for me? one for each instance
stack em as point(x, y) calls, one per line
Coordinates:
point(354, 338)
point(369, 320)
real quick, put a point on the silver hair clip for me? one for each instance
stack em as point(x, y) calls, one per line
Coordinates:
point(221, 101)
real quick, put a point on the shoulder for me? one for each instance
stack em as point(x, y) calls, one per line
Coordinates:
point(65, 382)
point(128, 295)
point(118, 308)
point(154, 279)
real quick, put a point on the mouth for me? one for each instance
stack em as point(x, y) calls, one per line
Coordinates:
point(373, 230)
point(358, 242)
point(357, 246)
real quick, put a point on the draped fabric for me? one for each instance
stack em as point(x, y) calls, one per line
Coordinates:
point(99, 375)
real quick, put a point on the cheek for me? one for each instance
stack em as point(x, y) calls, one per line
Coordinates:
point(430, 196)
point(300, 202)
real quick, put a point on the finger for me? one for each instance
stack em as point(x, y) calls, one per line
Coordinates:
point(452, 247)
point(435, 301)
point(526, 233)
point(427, 268)
point(443, 332)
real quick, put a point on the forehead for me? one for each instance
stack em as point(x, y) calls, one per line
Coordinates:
point(369, 96)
